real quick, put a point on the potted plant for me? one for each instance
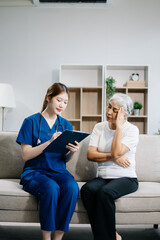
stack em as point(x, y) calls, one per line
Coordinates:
point(110, 88)
point(137, 107)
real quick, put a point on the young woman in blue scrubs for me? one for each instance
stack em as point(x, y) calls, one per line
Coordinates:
point(45, 174)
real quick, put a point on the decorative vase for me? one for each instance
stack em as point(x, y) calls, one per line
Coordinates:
point(136, 112)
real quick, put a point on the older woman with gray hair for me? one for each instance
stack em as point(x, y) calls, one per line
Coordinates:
point(113, 146)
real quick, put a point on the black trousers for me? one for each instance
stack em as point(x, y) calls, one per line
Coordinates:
point(98, 196)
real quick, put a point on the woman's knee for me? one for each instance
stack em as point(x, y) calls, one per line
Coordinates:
point(50, 188)
point(89, 188)
point(71, 187)
point(105, 194)
point(87, 192)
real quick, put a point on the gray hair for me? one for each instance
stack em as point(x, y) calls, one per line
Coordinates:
point(124, 101)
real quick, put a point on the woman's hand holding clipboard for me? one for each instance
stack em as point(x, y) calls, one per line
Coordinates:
point(63, 143)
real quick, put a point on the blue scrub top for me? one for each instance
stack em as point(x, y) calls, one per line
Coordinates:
point(28, 134)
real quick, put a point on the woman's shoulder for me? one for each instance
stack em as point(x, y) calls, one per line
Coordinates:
point(101, 125)
point(131, 126)
point(34, 116)
point(65, 122)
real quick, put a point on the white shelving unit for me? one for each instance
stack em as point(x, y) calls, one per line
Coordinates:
point(87, 104)
point(85, 107)
point(122, 74)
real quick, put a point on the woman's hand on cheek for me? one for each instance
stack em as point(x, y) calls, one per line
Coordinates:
point(73, 147)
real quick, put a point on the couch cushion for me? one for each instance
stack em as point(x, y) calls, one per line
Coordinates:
point(145, 199)
point(13, 197)
point(11, 163)
point(148, 158)
point(79, 166)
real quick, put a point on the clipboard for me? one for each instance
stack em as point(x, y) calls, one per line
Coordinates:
point(68, 136)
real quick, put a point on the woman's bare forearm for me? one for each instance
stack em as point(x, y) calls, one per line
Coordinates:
point(99, 156)
point(116, 148)
point(29, 152)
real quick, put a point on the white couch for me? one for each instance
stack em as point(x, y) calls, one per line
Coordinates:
point(141, 207)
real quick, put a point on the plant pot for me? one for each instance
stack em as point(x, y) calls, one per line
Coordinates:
point(137, 112)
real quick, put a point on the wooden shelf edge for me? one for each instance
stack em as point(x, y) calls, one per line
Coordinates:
point(78, 87)
point(139, 116)
point(132, 88)
point(92, 115)
point(74, 120)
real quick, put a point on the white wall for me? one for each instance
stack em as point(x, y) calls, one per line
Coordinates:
point(35, 41)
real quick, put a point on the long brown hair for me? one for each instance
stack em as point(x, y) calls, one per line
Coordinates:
point(53, 91)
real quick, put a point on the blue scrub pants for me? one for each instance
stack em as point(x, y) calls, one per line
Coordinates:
point(58, 193)
point(98, 196)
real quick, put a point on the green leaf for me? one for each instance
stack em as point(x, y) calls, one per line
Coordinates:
point(137, 105)
point(110, 88)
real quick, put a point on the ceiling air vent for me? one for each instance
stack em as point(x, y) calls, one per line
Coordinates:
point(71, 2)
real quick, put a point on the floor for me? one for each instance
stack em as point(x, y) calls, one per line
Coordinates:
point(77, 232)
